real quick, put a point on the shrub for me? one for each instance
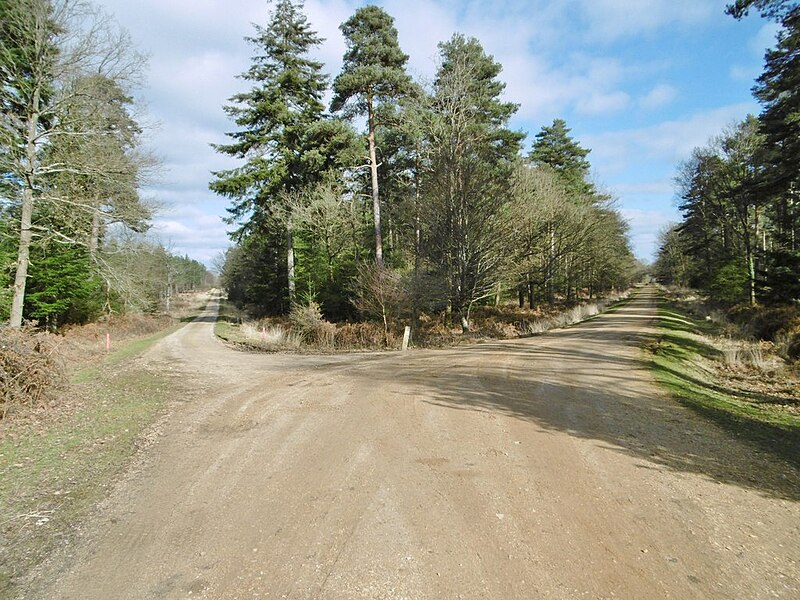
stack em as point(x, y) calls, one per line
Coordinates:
point(359, 336)
point(310, 326)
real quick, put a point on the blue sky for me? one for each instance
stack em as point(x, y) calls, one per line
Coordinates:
point(640, 82)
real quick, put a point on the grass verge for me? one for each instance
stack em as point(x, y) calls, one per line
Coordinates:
point(678, 356)
point(125, 352)
point(55, 469)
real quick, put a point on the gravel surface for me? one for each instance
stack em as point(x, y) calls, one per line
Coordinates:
point(547, 467)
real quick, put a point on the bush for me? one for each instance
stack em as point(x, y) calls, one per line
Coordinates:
point(360, 336)
point(310, 326)
point(30, 373)
point(766, 324)
point(729, 285)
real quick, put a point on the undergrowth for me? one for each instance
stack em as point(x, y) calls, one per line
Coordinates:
point(752, 397)
point(306, 330)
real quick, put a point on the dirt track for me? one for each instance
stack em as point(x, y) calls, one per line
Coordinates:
point(547, 467)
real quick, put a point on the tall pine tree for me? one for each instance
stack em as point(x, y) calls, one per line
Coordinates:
point(778, 91)
point(555, 148)
point(373, 72)
point(473, 154)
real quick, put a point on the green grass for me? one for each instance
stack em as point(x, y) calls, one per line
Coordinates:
point(612, 308)
point(126, 352)
point(752, 416)
point(227, 325)
point(53, 473)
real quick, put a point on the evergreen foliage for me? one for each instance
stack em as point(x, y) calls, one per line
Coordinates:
point(373, 73)
point(70, 170)
point(460, 219)
point(739, 194)
point(555, 148)
point(287, 144)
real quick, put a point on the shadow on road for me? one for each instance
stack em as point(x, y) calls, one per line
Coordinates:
point(574, 381)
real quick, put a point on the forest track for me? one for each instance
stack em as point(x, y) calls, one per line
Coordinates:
point(547, 467)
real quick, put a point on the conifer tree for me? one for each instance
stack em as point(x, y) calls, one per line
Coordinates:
point(779, 176)
point(473, 154)
point(284, 138)
point(46, 46)
point(373, 72)
point(555, 148)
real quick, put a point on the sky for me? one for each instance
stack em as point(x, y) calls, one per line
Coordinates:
point(639, 82)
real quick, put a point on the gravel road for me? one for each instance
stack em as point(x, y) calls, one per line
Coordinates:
point(547, 467)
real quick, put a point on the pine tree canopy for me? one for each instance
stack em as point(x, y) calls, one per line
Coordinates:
point(555, 148)
point(374, 64)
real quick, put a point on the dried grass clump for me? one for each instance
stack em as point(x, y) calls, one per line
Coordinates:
point(742, 355)
point(570, 316)
point(270, 336)
point(30, 371)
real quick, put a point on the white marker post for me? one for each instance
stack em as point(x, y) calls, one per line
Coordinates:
point(406, 337)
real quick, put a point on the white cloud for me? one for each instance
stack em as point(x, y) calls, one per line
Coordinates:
point(660, 96)
point(554, 61)
point(596, 104)
point(765, 38)
point(609, 20)
point(646, 225)
point(647, 188)
point(669, 141)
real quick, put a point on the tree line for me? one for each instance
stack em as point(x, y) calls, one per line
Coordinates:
point(71, 169)
point(739, 238)
point(432, 207)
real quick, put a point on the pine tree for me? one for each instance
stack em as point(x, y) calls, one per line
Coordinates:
point(778, 90)
point(373, 72)
point(555, 148)
point(779, 179)
point(473, 154)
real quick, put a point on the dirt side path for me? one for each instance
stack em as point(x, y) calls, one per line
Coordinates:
point(541, 468)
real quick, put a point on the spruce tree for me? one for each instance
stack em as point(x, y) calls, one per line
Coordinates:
point(373, 72)
point(273, 116)
point(284, 138)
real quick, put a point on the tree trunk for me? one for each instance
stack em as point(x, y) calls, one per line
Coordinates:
point(530, 294)
point(26, 218)
point(290, 266)
point(417, 245)
point(376, 203)
point(94, 236)
point(23, 259)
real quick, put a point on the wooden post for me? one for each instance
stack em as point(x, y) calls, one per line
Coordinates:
point(108, 343)
point(406, 337)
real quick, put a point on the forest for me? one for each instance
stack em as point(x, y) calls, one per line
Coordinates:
point(403, 197)
point(738, 195)
point(73, 222)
